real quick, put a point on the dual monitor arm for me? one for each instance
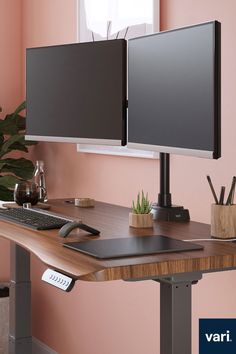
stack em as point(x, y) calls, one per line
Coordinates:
point(163, 209)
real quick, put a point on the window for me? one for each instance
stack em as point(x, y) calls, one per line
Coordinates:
point(111, 19)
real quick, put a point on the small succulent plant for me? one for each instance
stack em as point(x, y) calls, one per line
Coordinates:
point(142, 205)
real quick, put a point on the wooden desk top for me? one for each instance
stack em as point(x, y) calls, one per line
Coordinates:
point(112, 221)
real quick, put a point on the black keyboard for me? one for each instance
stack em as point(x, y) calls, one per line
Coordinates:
point(34, 219)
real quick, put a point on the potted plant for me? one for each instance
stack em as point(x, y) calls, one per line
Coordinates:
point(12, 138)
point(141, 212)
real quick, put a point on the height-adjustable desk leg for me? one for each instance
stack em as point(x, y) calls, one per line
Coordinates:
point(176, 313)
point(20, 341)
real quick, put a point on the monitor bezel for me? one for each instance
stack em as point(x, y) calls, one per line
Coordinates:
point(80, 140)
point(216, 153)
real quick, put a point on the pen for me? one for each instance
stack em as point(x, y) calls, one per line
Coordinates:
point(222, 194)
point(232, 195)
point(231, 192)
point(212, 189)
point(69, 201)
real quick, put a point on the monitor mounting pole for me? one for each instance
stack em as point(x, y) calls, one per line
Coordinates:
point(163, 209)
point(164, 197)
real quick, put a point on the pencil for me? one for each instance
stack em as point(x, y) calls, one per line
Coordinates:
point(232, 196)
point(231, 192)
point(222, 194)
point(212, 189)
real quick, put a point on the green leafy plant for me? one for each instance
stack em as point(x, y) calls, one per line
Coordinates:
point(142, 205)
point(12, 138)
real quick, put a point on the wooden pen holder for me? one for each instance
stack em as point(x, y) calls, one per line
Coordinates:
point(223, 221)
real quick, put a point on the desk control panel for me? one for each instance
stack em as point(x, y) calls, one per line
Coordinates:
point(58, 280)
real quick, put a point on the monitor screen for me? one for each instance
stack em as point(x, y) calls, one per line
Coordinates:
point(174, 91)
point(77, 93)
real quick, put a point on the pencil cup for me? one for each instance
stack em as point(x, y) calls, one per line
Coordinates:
point(223, 221)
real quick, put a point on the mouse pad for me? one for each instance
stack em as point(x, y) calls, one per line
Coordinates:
point(132, 246)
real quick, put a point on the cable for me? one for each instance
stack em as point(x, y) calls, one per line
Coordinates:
point(108, 28)
point(126, 32)
point(211, 239)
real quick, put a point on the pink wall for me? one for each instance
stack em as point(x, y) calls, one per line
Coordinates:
point(118, 317)
point(11, 58)
point(10, 81)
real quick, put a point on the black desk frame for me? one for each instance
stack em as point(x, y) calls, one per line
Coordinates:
point(175, 307)
point(20, 337)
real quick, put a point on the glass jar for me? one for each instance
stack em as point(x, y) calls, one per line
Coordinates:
point(26, 192)
point(39, 179)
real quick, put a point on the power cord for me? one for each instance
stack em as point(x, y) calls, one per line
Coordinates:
point(211, 239)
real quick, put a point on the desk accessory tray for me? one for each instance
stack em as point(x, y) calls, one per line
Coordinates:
point(132, 246)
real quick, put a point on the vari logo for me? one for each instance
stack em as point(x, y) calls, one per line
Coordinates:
point(217, 336)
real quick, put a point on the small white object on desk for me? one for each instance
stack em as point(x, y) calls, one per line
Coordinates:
point(84, 202)
point(3, 202)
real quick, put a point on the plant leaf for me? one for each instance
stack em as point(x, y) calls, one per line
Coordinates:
point(143, 206)
point(22, 167)
point(20, 108)
point(9, 181)
point(7, 145)
point(7, 128)
point(6, 194)
point(1, 139)
point(14, 122)
point(19, 147)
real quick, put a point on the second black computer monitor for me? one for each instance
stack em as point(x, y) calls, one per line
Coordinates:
point(174, 91)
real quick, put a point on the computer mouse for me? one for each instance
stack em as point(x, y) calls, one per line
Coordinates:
point(68, 227)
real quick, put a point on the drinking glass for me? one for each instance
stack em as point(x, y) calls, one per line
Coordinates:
point(26, 192)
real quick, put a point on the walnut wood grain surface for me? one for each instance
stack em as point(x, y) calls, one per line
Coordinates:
point(113, 222)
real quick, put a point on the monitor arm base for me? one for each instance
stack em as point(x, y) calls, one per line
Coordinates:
point(170, 213)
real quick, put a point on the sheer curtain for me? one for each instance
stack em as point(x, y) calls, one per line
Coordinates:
point(119, 13)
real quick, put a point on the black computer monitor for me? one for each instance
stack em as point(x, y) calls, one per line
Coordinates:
point(174, 91)
point(174, 100)
point(77, 93)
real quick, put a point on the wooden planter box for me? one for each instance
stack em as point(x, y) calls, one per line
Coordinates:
point(140, 220)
